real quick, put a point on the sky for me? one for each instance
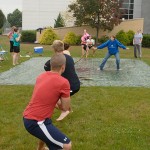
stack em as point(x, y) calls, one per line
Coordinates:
point(8, 6)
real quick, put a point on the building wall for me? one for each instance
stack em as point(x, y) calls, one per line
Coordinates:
point(126, 25)
point(146, 15)
point(137, 8)
point(41, 13)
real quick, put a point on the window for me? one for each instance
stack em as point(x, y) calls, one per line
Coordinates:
point(127, 9)
point(131, 1)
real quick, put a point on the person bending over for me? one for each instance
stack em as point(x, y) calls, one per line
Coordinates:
point(50, 87)
point(69, 73)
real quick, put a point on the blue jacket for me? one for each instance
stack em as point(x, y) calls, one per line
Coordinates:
point(112, 46)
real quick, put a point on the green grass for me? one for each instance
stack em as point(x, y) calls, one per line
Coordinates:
point(103, 118)
point(107, 118)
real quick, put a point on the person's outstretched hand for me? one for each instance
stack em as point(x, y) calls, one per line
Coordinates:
point(95, 48)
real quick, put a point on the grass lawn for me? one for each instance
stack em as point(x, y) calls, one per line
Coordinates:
point(103, 118)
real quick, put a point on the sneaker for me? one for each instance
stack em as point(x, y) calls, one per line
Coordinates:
point(99, 69)
point(1, 59)
point(119, 69)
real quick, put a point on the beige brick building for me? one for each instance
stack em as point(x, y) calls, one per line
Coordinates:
point(126, 25)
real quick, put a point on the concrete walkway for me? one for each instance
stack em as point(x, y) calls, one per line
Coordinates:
point(134, 73)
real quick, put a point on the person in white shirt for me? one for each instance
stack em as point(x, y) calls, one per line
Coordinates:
point(137, 41)
point(90, 44)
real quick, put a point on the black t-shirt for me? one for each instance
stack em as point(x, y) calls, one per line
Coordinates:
point(69, 73)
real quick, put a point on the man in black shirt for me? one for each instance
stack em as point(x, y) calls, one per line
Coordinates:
point(69, 73)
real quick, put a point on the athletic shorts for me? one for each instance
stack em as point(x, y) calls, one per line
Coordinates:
point(45, 131)
point(11, 46)
point(16, 49)
point(90, 46)
point(72, 92)
point(84, 46)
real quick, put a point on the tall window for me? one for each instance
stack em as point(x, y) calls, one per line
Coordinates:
point(127, 9)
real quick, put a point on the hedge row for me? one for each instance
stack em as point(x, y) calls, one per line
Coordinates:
point(49, 35)
point(146, 40)
point(28, 36)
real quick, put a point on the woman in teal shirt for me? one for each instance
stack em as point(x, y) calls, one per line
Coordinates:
point(16, 40)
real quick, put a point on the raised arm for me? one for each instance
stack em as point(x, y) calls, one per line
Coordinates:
point(121, 45)
point(103, 45)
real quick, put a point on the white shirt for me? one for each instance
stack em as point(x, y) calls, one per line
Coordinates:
point(90, 42)
point(137, 38)
point(67, 52)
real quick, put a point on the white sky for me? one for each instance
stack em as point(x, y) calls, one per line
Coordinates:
point(8, 6)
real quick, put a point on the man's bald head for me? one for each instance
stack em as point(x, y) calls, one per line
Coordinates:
point(57, 62)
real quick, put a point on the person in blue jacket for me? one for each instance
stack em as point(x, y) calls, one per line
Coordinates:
point(112, 44)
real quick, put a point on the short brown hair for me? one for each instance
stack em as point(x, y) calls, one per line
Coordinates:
point(66, 46)
point(113, 36)
point(15, 29)
point(57, 61)
point(58, 46)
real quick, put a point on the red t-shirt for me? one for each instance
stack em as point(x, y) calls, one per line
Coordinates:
point(49, 88)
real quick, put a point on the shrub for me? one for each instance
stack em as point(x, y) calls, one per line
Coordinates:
point(48, 36)
point(146, 40)
point(130, 35)
point(71, 38)
point(78, 38)
point(1, 31)
point(28, 36)
point(103, 39)
point(122, 37)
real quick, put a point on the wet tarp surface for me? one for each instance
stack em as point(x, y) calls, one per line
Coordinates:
point(133, 73)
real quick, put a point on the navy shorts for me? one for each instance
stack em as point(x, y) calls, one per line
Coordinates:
point(72, 92)
point(45, 131)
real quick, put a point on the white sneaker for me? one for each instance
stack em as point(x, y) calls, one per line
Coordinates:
point(99, 69)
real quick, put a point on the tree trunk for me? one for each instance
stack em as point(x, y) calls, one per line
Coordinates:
point(98, 27)
point(97, 32)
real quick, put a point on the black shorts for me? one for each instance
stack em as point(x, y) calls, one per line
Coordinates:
point(72, 92)
point(11, 46)
point(84, 46)
point(90, 46)
point(16, 49)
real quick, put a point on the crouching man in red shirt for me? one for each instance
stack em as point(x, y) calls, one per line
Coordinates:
point(49, 88)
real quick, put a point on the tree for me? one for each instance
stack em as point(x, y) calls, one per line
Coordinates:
point(15, 18)
point(99, 14)
point(2, 18)
point(59, 22)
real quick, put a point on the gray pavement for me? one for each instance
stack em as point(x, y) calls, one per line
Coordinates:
point(133, 73)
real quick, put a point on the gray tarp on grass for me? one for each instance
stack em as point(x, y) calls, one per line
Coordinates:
point(134, 73)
